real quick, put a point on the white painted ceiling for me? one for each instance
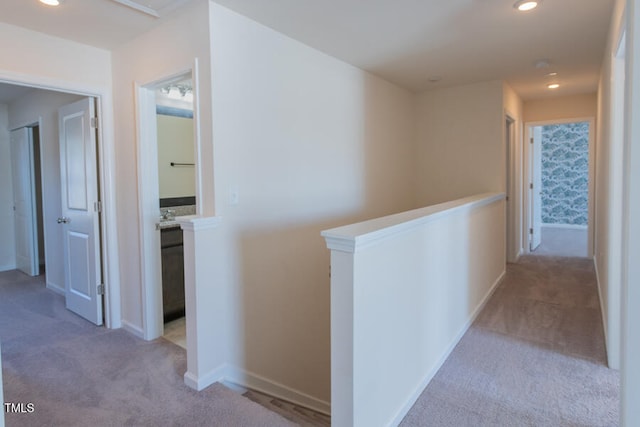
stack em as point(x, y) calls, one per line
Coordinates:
point(403, 41)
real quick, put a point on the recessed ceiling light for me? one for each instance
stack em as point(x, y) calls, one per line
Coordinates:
point(525, 5)
point(51, 2)
point(553, 86)
point(551, 74)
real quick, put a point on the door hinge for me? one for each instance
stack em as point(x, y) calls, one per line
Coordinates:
point(94, 122)
point(97, 206)
point(531, 186)
point(101, 289)
point(531, 140)
point(531, 231)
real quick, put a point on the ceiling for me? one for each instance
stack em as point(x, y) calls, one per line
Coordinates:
point(404, 41)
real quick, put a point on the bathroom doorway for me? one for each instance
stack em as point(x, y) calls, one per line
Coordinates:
point(168, 164)
point(177, 196)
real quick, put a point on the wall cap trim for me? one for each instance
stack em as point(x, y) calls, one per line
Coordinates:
point(350, 238)
point(198, 223)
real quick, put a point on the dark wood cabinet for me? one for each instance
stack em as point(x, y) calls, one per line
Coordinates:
point(172, 273)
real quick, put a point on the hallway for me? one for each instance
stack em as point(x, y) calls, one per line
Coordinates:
point(535, 356)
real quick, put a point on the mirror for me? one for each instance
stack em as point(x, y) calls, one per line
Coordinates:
point(176, 148)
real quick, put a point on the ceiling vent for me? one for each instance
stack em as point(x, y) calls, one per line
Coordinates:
point(155, 8)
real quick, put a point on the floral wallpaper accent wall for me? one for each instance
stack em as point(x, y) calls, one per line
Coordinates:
point(565, 173)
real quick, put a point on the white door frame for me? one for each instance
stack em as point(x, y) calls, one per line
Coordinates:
point(527, 175)
point(107, 174)
point(147, 152)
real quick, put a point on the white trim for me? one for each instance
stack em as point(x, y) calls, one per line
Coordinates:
point(106, 149)
point(201, 382)
point(605, 320)
point(55, 288)
point(132, 329)
point(148, 195)
point(140, 8)
point(445, 355)
point(7, 267)
point(240, 378)
point(566, 226)
point(198, 223)
point(352, 237)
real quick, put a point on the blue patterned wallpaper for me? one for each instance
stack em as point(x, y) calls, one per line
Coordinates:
point(565, 173)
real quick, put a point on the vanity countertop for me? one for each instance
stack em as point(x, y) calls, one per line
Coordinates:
point(168, 224)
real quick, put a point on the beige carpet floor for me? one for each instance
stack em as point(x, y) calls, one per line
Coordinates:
point(77, 374)
point(534, 357)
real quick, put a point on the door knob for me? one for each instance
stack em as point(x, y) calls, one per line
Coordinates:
point(63, 220)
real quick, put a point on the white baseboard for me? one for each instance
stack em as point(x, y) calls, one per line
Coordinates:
point(203, 381)
point(7, 267)
point(132, 329)
point(239, 378)
point(436, 367)
point(55, 288)
point(600, 300)
point(612, 363)
point(566, 226)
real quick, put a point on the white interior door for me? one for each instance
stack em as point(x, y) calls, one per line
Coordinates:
point(536, 189)
point(24, 203)
point(80, 209)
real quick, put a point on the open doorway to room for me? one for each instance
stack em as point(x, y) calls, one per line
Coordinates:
point(168, 161)
point(177, 196)
point(56, 205)
point(560, 188)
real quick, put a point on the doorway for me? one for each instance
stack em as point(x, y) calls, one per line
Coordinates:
point(168, 161)
point(560, 188)
point(36, 112)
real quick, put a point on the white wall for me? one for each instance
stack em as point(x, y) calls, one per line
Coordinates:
point(56, 60)
point(460, 142)
point(608, 188)
point(561, 108)
point(7, 242)
point(161, 53)
point(308, 142)
point(42, 106)
point(404, 289)
point(630, 372)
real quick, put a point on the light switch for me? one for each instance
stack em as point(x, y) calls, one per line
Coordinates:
point(234, 198)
